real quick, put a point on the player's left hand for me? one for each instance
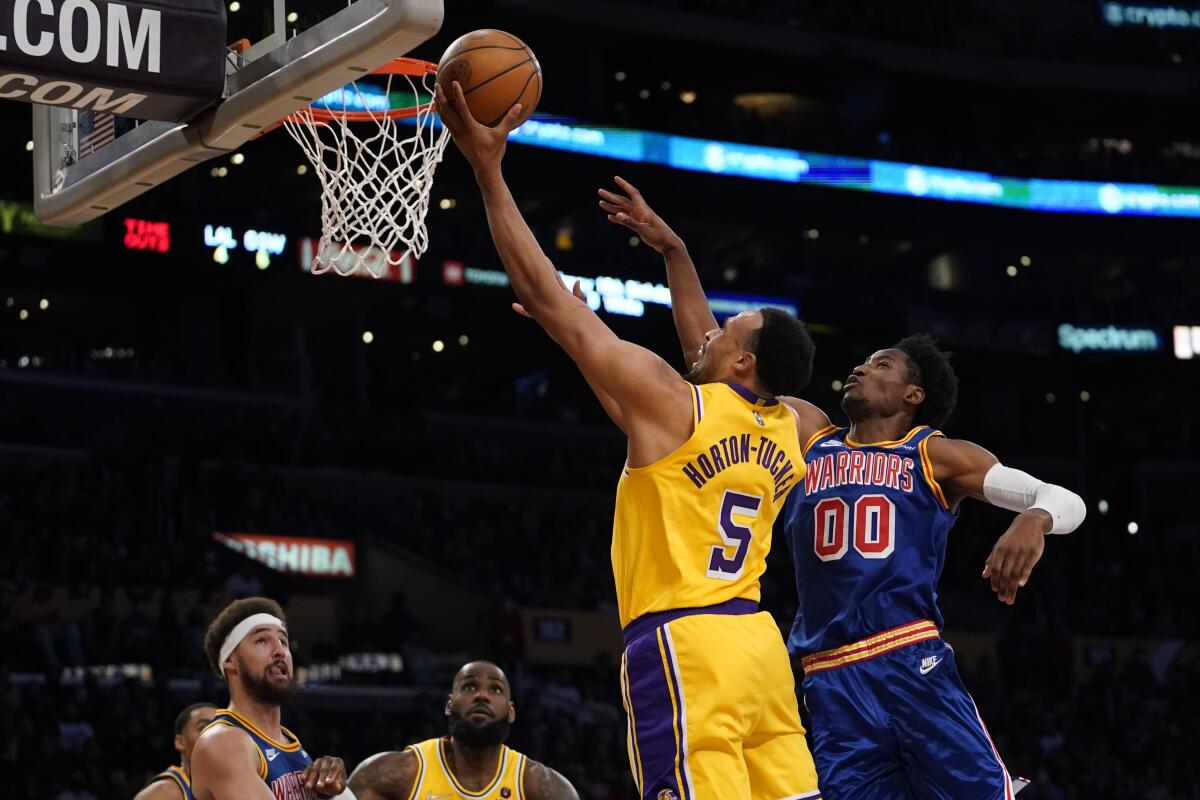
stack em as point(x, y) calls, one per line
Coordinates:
point(577, 291)
point(1015, 554)
point(326, 776)
point(482, 146)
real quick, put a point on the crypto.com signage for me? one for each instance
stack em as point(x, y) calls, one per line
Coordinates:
point(161, 60)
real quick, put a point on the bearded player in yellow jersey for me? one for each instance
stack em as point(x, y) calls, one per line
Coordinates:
point(706, 680)
point(473, 761)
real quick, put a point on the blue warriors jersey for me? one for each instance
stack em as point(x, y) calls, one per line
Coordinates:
point(177, 776)
point(280, 763)
point(868, 532)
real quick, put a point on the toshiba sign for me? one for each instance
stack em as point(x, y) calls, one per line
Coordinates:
point(322, 558)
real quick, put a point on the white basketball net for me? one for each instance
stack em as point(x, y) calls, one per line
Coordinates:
point(375, 181)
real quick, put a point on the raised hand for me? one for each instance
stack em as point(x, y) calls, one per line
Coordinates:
point(482, 146)
point(632, 211)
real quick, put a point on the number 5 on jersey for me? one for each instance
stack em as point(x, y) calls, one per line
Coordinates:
point(720, 564)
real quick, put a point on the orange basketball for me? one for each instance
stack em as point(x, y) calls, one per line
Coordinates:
point(496, 70)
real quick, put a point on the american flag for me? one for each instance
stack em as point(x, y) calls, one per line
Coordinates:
point(95, 131)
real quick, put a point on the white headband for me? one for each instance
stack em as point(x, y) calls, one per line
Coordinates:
point(241, 630)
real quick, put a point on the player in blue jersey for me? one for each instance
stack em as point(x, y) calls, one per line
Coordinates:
point(175, 782)
point(891, 718)
point(245, 753)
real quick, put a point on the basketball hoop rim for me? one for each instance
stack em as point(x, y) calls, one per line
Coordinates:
point(412, 67)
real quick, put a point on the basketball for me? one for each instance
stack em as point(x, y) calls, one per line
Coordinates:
point(496, 70)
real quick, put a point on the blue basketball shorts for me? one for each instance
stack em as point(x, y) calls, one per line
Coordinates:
point(891, 720)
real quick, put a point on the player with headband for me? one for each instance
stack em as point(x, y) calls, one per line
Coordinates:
point(245, 753)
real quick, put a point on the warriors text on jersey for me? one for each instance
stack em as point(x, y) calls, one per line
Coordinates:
point(868, 537)
point(694, 528)
point(177, 776)
point(281, 764)
point(435, 778)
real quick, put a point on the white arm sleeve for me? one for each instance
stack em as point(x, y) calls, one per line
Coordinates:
point(1019, 491)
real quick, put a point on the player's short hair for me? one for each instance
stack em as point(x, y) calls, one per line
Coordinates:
point(783, 352)
point(930, 368)
point(228, 619)
point(185, 716)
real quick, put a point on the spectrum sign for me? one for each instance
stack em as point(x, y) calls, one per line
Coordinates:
point(1108, 339)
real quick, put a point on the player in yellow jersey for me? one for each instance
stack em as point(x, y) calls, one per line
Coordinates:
point(706, 680)
point(175, 783)
point(473, 761)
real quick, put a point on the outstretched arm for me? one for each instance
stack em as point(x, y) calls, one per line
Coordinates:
point(654, 400)
point(689, 305)
point(967, 470)
point(543, 783)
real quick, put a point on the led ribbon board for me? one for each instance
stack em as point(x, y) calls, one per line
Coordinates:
point(624, 296)
point(867, 175)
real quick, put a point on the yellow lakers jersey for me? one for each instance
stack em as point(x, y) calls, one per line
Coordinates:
point(436, 780)
point(693, 529)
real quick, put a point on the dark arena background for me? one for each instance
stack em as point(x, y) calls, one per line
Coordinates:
point(421, 476)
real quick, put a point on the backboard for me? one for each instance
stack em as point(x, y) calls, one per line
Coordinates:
point(278, 74)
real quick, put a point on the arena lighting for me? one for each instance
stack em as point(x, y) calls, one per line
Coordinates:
point(107, 674)
point(351, 664)
point(869, 175)
point(1109, 339)
point(222, 238)
point(324, 558)
point(357, 97)
point(1187, 341)
point(396, 267)
point(624, 296)
point(1142, 15)
point(140, 234)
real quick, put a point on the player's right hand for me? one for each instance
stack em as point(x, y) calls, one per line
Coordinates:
point(632, 211)
point(482, 146)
